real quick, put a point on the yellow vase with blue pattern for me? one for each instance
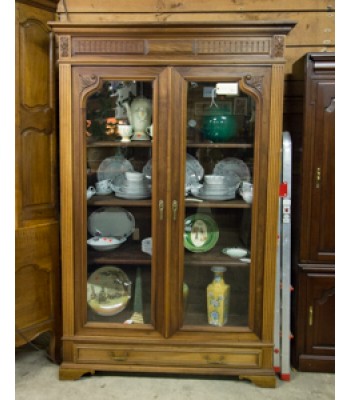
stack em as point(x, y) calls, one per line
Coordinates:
point(218, 298)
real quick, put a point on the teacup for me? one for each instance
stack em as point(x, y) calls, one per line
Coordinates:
point(103, 186)
point(134, 176)
point(246, 191)
point(247, 196)
point(149, 130)
point(90, 192)
point(214, 179)
point(125, 131)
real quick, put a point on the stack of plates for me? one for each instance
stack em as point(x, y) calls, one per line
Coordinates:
point(216, 187)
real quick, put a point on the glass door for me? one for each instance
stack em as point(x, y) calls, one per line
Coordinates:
point(116, 274)
point(219, 199)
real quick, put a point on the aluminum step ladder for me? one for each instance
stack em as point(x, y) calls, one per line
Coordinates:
point(282, 332)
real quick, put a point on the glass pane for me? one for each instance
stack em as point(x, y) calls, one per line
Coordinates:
point(219, 176)
point(119, 190)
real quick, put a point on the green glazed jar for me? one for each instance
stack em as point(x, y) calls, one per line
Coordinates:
point(219, 128)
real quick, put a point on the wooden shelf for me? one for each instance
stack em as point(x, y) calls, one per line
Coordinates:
point(191, 202)
point(111, 200)
point(116, 143)
point(220, 145)
point(212, 257)
point(127, 253)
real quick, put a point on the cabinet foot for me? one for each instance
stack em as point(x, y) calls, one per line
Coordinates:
point(263, 381)
point(73, 374)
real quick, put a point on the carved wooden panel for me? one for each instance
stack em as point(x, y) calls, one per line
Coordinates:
point(322, 220)
point(81, 46)
point(36, 263)
point(35, 134)
point(320, 324)
point(238, 46)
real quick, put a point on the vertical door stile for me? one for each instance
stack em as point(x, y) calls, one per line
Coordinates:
point(160, 232)
point(175, 202)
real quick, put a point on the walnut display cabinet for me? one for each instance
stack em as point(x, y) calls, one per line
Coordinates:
point(141, 307)
point(313, 311)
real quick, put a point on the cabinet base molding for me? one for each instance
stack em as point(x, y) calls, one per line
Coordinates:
point(73, 374)
point(266, 379)
point(260, 380)
point(309, 363)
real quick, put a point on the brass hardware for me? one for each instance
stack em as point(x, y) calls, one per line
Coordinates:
point(219, 360)
point(161, 209)
point(174, 207)
point(121, 357)
point(318, 177)
point(311, 316)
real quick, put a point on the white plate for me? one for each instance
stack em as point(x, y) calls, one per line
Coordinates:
point(194, 164)
point(113, 168)
point(232, 167)
point(105, 243)
point(111, 221)
point(108, 290)
point(229, 195)
point(194, 171)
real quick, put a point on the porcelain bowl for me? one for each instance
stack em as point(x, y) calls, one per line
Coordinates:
point(219, 128)
point(105, 243)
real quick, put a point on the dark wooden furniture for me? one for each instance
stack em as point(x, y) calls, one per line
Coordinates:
point(313, 319)
point(172, 64)
point(37, 277)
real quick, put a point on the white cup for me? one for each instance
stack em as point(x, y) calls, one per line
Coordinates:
point(134, 176)
point(125, 131)
point(149, 130)
point(214, 180)
point(103, 186)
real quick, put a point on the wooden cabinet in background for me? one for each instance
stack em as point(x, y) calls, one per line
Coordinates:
point(313, 314)
point(37, 277)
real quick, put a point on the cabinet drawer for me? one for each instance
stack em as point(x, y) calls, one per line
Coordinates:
point(163, 356)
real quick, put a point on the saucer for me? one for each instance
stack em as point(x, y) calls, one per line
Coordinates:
point(132, 196)
point(227, 195)
point(104, 193)
point(235, 252)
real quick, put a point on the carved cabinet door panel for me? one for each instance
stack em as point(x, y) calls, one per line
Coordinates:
point(322, 243)
point(317, 244)
point(320, 336)
point(37, 225)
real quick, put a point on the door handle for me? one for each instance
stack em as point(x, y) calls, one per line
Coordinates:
point(174, 207)
point(318, 177)
point(161, 209)
point(311, 316)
